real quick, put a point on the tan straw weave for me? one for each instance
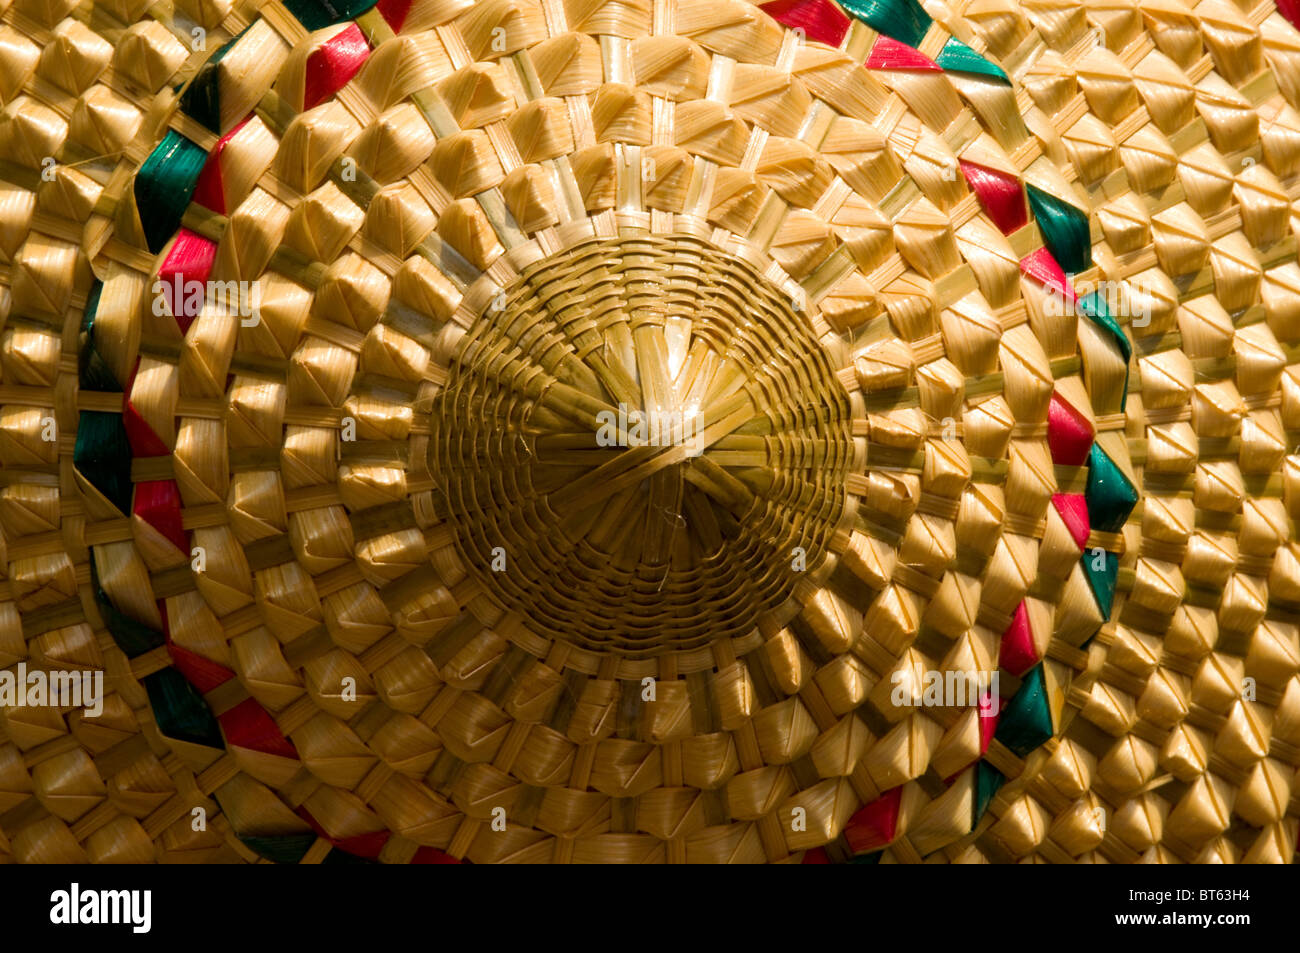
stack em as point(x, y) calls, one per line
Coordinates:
point(619, 430)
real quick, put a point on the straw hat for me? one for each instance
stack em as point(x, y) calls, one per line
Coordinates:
point(608, 430)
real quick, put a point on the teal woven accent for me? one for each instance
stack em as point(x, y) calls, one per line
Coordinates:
point(318, 14)
point(1110, 495)
point(988, 780)
point(92, 372)
point(132, 637)
point(180, 710)
point(164, 185)
point(102, 455)
point(960, 58)
point(201, 100)
point(1102, 569)
point(1064, 228)
point(902, 20)
point(336, 856)
point(288, 849)
point(1094, 307)
point(871, 858)
point(1026, 720)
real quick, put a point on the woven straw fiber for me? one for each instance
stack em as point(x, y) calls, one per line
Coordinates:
point(984, 318)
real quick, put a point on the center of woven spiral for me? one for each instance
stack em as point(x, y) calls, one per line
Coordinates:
point(641, 446)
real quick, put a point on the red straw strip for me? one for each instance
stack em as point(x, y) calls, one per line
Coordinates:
point(362, 845)
point(248, 725)
point(182, 280)
point(1073, 510)
point(989, 709)
point(209, 191)
point(204, 674)
point(890, 54)
point(1042, 267)
point(820, 20)
point(1016, 650)
point(875, 825)
point(395, 12)
point(431, 855)
point(1000, 194)
point(1291, 10)
point(144, 442)
point(158, 503)
point(333, 63)
point(1069, 435)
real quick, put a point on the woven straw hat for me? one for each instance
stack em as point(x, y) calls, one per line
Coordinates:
point(609, 430)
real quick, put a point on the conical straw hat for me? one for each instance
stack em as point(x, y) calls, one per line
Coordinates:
point(650, 430)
